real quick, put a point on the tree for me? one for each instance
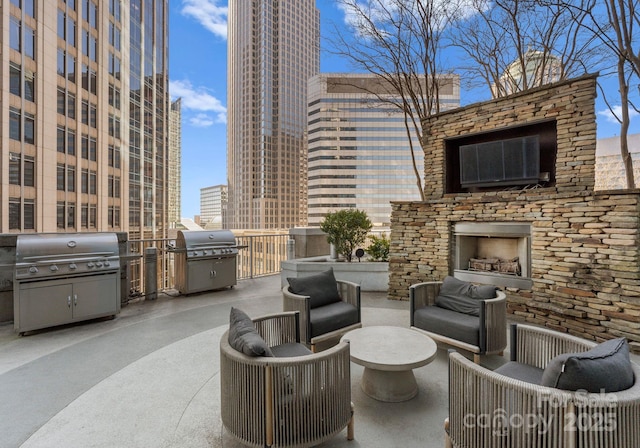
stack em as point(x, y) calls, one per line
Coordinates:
point(614, 24)
point(399, 42)
point(346, 230)
point(515, 45)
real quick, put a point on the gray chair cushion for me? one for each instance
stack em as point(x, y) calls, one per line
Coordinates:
point(321, 288)
point(523, 372)
point(289, 350)
point(606, 368)
point(463, 297)
point(452, 324)
point(243, 335)
point(332, 317)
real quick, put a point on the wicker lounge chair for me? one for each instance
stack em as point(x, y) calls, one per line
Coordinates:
point(496, 409)
point(292, 401)
point(484, 333)
point(328, 308)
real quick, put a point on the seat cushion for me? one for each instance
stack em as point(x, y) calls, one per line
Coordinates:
point(458, 326)
point(519, 371)
point(463, 297)
point(604, 368)
point(243, 335)
point(334, 316)
point(321, 288)
point(290, 350)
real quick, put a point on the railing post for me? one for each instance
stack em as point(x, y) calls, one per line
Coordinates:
point(251, 257)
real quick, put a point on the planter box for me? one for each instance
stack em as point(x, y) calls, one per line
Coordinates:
point(370, 275)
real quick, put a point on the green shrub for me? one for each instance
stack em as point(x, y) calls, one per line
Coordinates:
point(346, 230)
point(378, 250)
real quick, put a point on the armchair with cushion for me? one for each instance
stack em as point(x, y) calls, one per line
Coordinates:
point(461, 314)
point(558, 390)
point(274, 391)
point(328, 307)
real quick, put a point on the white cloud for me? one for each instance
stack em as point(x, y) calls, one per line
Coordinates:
point(617, 110)
point(198, 99)
point(209, 13)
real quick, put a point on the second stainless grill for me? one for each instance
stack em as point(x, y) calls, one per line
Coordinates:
point(205, 260)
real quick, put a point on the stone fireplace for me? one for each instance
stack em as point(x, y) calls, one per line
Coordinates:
point(494, 253)
point(577, 250)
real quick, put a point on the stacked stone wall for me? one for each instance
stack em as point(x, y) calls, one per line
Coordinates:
point(585, 258)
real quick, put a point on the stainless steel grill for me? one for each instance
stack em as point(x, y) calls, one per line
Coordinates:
point(61, 278)
point(205, 260)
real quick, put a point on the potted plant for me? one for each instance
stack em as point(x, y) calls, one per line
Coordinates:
point(378, 250)
point(346, 230)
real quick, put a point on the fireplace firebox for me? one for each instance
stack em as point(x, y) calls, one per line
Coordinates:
point(494, 253)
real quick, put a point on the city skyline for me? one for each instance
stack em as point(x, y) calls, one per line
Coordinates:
point(198, 52)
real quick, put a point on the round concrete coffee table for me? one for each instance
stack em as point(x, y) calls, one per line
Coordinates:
point(389, 355)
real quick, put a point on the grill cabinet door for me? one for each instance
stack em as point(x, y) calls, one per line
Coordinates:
point(95, 296)
point(45, 306)
point(212, 273)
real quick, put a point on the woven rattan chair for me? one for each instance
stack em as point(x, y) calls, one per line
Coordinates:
point(490, 410)
point(349, 292)
point(492, 328)
point(285, 402)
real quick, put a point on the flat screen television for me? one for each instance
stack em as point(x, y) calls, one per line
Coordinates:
point(514, 161)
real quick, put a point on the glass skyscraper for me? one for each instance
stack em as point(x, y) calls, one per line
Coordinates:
point(273, 49)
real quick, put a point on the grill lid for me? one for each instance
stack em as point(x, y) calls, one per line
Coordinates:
point(49, 254)
point(206, 243)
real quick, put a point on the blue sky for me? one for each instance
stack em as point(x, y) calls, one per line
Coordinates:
point(198, 74)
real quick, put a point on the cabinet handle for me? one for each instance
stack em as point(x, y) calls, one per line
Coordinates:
point(75, 300)
point(212, 274)
point(69, 301)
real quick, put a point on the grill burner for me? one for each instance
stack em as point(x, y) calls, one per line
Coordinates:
point(61, 278)
point(205, 260)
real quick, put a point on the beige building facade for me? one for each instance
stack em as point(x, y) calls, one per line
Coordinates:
point(610, 171)
point(84, 116)
point(213, 203)
point(359, 155)
point(175, 159)
point(273, 49)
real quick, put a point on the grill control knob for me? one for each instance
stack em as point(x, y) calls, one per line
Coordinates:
point(99, 264)
point(106, 263)
point(90, 265)
point(53, 268)
point(33, 270)
point(73, 266)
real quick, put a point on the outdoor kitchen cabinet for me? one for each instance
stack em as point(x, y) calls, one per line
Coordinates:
point(63, 301)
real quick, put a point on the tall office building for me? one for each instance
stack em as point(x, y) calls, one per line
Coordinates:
point(175, 151)
point(72, 113)
point(273, 49)
point(359, 155)
point(213, 202)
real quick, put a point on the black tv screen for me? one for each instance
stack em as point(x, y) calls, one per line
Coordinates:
point(514, 161)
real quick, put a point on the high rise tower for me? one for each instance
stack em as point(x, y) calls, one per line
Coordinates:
point(84, 116)
point(273, 49)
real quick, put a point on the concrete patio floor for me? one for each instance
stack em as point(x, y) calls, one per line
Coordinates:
point(149, 378)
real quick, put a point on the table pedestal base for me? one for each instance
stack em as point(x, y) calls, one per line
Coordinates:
point(389, 386)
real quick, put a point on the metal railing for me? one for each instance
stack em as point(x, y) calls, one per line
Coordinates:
point(261, 256)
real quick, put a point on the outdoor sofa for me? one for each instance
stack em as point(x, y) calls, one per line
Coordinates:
point(558, 390)
point(470, 317)
point(274, 391)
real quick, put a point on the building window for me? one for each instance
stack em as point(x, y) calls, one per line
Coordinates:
point(93, 115)
point(62, 101)
point(61, 139)
point(84, 181)
point(71, 178)
point(114, 9)
point(92, 182)
point(71, 32)
point(84, 216)
point(71, 106)
point(15, 174)
point(29, 171)
point(93, 149)
point(60, 171)
point(15, 83)
point(61, 62)
point(29, 128)
point(84, 147)
point(14, 214)
point(85, 112)
point(29, 86)
point(29, 42)
point(71, 142)
point(29, 214)
point(15, 32)
point(71, 68)
point(93, 213)
point(28, 8)
point(60, 215)
point(71, 214)
point(62, 25)
point(15, 128)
